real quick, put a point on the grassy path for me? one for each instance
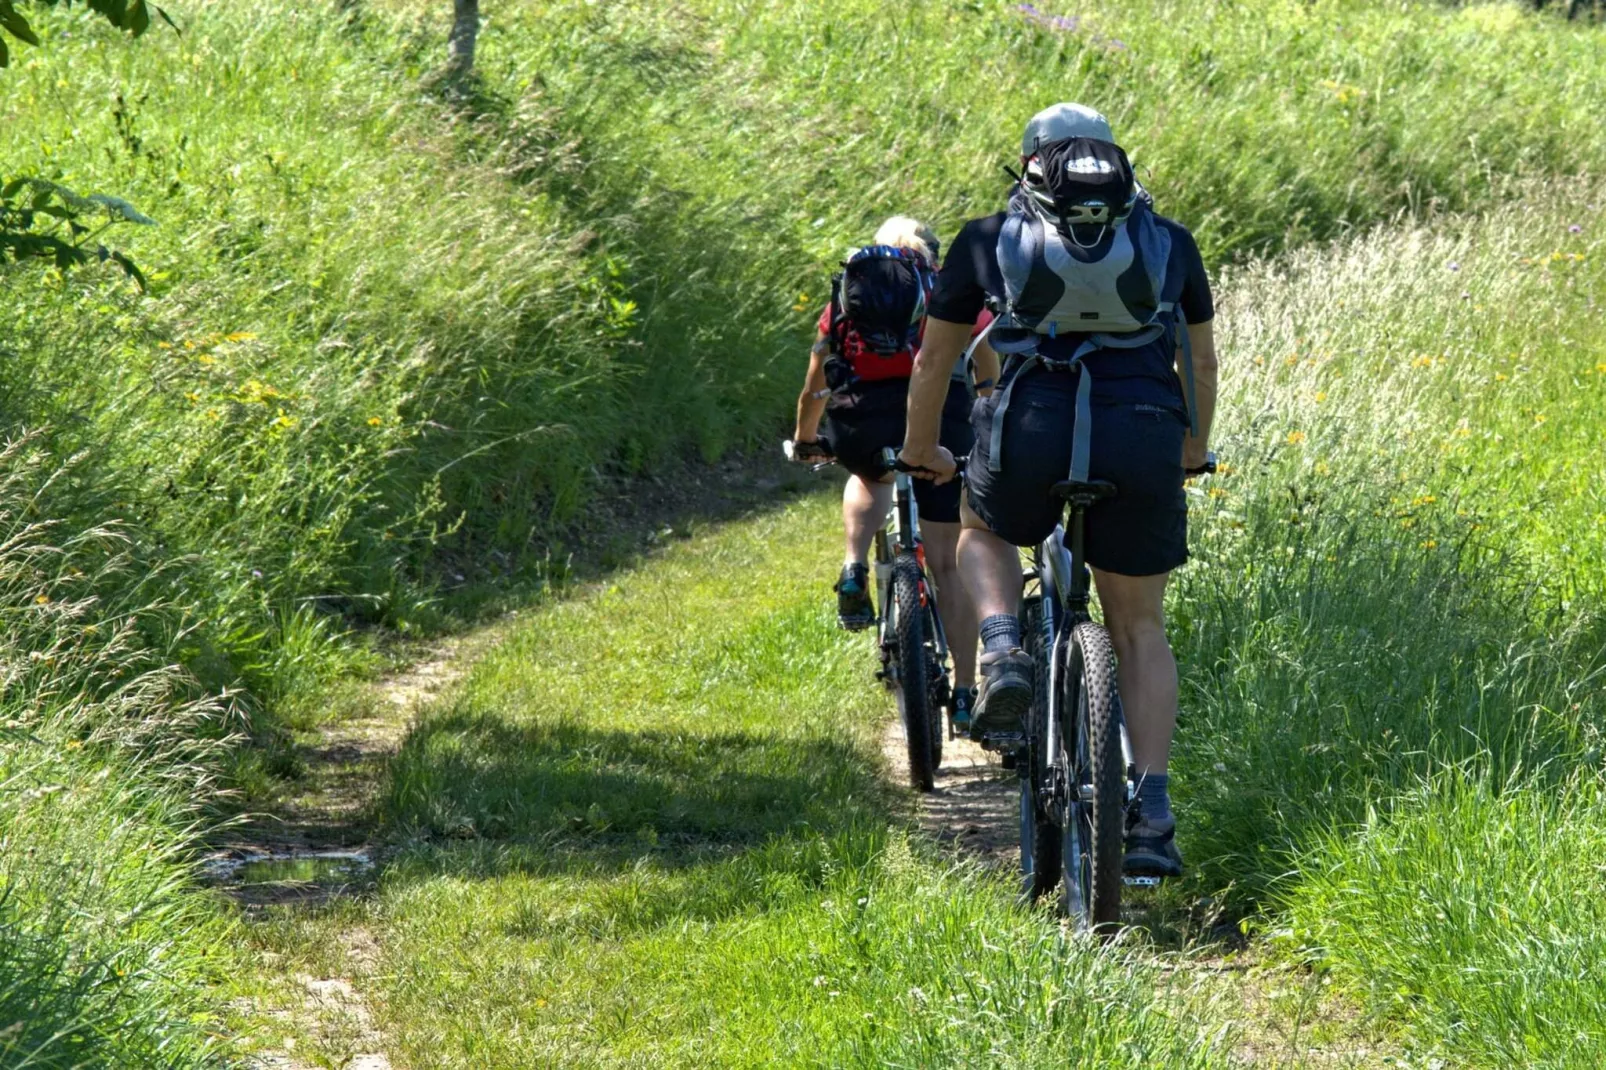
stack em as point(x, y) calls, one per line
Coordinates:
point(656, 824)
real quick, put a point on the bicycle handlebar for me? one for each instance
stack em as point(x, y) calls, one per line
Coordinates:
point(891, 462)
point(818, 452)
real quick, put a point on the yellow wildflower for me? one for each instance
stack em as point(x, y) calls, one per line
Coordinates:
point(164, 345)
point(1321, 396)
point(43, 599)
point(374, 421)
point(1430, 544)
point(284, 420)
point(192, 397)
point(1295, 438)
point(239, 336)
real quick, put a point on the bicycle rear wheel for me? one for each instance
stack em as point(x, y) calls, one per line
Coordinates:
point(1040, 835)
point(913, 688)
point(1096, 810)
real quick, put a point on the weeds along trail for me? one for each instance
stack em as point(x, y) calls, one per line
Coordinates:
point(385, 324)
point(655, 824)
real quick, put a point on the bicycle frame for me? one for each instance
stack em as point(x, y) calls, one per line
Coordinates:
point(901, 533)
point(1064, 585)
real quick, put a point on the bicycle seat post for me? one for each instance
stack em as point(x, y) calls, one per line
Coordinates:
point(1079, 496)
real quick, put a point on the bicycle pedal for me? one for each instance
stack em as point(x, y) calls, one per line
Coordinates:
point(1141, 882)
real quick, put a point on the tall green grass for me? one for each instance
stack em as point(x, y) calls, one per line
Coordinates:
point(1393, 624)
point(106, 752)
point(389, 325)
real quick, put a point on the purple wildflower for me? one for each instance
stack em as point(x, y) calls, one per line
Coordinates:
point(1455, 265)
point(1117, 45)
point(1575, 229)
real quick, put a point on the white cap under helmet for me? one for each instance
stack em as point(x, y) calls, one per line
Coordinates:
point(1062, 121)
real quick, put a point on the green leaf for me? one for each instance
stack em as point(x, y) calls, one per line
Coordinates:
point(12, 20)
point(5, 56)
point(139, 19)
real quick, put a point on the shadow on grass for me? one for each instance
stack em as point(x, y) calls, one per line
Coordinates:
point(641, 827)
point(477, 774)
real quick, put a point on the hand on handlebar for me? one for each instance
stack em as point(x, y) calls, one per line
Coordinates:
point(1203, 468)
point(939, 468)
point(811, 452)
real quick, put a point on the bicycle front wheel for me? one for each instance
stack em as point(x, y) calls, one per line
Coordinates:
point(1096, 768)
point(913, 689)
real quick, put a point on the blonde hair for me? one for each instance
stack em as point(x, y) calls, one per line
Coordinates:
point(911, 234)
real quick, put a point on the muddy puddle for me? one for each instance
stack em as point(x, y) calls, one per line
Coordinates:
point(265, 878)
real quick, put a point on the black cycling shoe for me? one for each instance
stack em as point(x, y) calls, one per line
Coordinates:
point(1151, 849)
point(1005, 693)
point(853, 609)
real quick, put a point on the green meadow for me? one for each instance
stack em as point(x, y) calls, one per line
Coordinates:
point(398, 339)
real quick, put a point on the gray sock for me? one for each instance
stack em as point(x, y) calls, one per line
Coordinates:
point(1154, 797)
point(1001, 631)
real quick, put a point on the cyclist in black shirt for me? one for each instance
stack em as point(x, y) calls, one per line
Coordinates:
point(1140, 442)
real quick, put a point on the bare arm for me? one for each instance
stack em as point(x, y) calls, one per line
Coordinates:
point(940, 350)
point(811, 402)
point(1202, 339)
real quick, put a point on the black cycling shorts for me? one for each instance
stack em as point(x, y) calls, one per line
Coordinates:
point(861, 424)
point(1141, 531)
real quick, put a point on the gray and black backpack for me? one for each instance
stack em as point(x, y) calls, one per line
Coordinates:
point(1082, 253)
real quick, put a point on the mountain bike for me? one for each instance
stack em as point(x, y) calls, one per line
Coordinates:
point(909, 634)
point(1074, 759)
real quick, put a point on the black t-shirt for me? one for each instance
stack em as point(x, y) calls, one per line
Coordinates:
point(1146, 375)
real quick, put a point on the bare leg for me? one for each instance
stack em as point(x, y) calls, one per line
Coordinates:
point(1134, 613)
point(990, 567)
point(864, 507)
point(953, 601)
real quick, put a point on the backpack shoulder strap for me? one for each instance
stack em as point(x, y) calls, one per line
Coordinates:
point(839, 317)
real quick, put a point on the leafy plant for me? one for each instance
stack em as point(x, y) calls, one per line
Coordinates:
point(40, 219)
point(131, 15)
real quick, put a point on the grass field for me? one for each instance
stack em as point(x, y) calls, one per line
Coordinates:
point(394, 339)
point(649, 830)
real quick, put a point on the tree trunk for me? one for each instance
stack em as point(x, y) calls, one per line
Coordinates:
point(465, 30)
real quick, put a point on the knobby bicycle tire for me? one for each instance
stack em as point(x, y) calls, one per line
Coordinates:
point(1093, 712)
point(914, 674)
point(1040, 835)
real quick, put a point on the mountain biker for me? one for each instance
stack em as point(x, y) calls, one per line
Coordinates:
point(1140, 441)
point(861, 395)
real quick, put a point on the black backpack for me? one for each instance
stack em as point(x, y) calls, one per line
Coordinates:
point(880, 295)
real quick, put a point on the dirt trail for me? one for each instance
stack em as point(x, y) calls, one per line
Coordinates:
point(331, 811)
point(974, 803)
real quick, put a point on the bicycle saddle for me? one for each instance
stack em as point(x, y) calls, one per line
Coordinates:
point(1083, 494)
